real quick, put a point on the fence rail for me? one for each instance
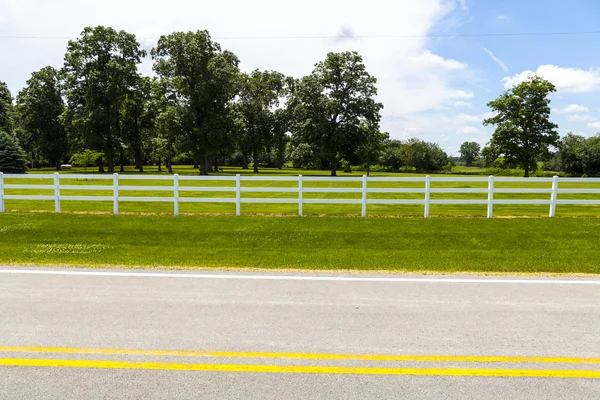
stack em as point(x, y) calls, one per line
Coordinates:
point(119, 188)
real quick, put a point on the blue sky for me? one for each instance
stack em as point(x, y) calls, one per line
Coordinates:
point(434, 88)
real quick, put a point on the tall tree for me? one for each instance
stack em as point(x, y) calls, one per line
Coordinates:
point(40, 105)
point(100, 70)
point(12, 156)
point(373, 145)
point(523, 131)
point(138, 119)
point(332, 103)
point(258, 98)
point(469, 151)
point(206, 78)
point(6, 109)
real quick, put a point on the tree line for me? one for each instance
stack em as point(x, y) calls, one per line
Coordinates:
point(201, 108)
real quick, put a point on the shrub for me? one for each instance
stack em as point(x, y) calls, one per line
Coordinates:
point(12, 156)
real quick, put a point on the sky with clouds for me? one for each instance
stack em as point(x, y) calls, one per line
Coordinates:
point(434, 86)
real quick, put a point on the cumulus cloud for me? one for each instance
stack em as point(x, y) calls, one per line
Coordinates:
point(468, 118)
point(566, 80)
point(461, 103)
point(594, 124)
point(578, 118)
point(498, 61)
point(468, 130)
point(571, 108)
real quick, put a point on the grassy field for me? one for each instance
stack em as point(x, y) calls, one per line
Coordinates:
point(309, 209)
point(564, 245)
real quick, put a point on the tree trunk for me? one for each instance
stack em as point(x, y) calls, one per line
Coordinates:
point(347, 167)
point(334, 166)
point(244, 162)
point(255, 162)
point(101, 165)
point(159, 167)
point(169, 166)
point(203, 165)
point(121, 161)
point(57, 164)
point(368, 169)
point(196, 161)
point(216, 166)
point(526, 171)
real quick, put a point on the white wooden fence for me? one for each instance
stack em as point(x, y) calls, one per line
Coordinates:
point(118, 188)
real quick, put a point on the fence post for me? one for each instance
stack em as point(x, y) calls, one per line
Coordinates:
point(300, 195)
point(56, 194)
point(554, 197)
point(115, 193)
point(176, 194)
point(1, 192)
point(490, 211)
point(238, 195)
point(427, 194)
point(364, 196)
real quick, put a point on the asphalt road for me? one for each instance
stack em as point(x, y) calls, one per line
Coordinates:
point(126, 335)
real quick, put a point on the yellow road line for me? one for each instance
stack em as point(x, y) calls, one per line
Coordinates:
point(306, 356)
point(24, 362)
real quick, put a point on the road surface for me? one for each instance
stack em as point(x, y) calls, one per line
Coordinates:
point(99, 334)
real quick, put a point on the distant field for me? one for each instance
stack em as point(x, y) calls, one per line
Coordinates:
point(561, 245)
point(309, 209)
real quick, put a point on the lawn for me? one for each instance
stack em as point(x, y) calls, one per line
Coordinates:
point(309, 209)
point(561, 245)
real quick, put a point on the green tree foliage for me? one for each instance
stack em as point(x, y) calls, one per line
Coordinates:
point(331, 104)
point(428, 157)
point(523, 131)
point(86, 158)
point(579, 155)
point(372, 147)
point(207, 79)
point(12, 156)
point(469, 151)
point(101, 71)
point(304, 156)
point(259, 95)
point(40, 106)
point(138, 119)
point(6, 109)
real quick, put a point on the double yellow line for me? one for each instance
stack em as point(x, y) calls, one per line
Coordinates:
point(171, 366)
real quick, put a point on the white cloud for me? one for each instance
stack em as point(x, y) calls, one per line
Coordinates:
point(461, 94)
point(594, 124)
point(576, 118)
point(501, 17)
point(468, 130)
point(566, 80)
point(498, 61)
point(461, 103)
point(571, 108)
point(468, 118)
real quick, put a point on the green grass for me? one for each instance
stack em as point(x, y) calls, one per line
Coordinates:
point(309, 209)
point(562, 245)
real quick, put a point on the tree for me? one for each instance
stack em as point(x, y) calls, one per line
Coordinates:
point(12, 156)
point(523, 131)
point(86, 159)
point(469, 151)
point(138, 119)
point(331, 105)
point(100, 70)
point(40, 106)
point(6, 109)
point(427, 157)
point(206, 78)
point(571, 153)
point(373, 145)
point(258, 98)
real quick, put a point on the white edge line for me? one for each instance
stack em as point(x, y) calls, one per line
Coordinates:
point(305, 278)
